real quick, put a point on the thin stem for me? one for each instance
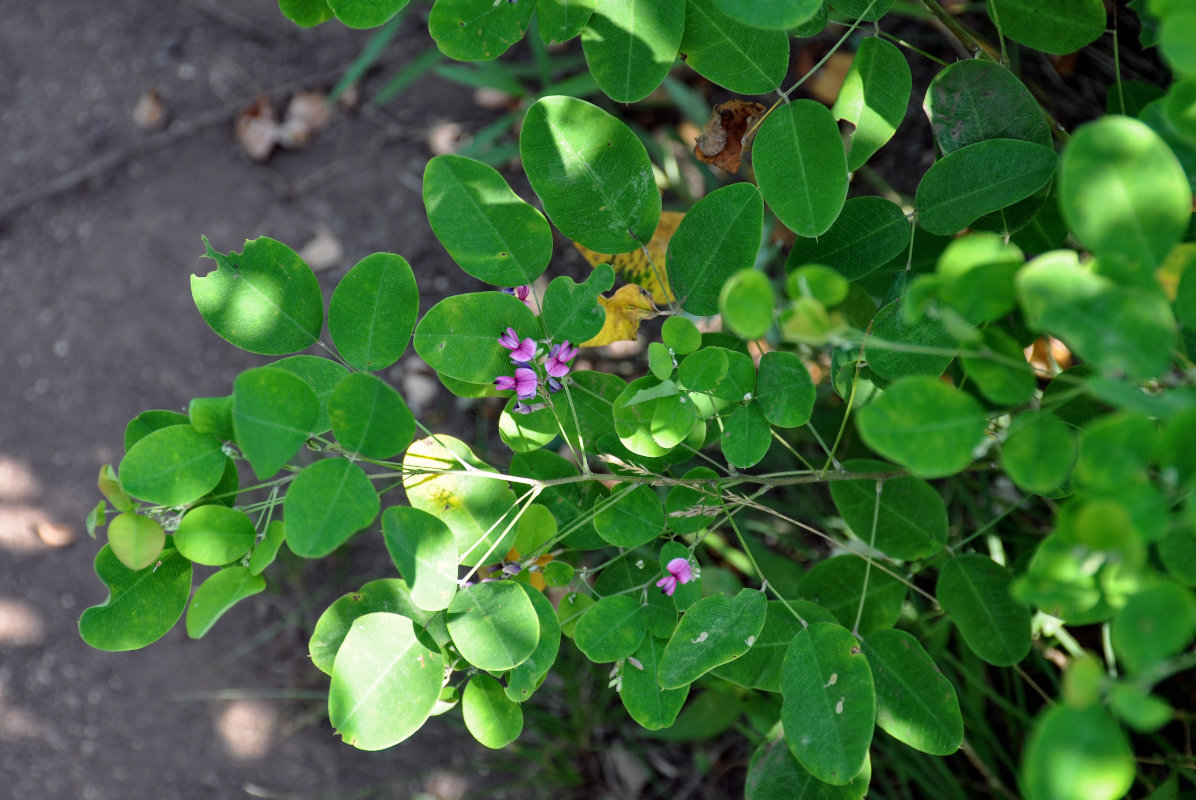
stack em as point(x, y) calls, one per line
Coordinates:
point(868, 560)
point(759, 572)
point(958, 31)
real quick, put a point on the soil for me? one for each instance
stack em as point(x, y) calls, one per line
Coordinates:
point(100, 225)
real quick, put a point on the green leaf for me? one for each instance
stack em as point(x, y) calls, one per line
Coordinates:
point(494, 625)
point(611, 629)
point(214, 535)
point(648, 704)
point(746, 436)
point(760, 666)
point(172, 466)
point(1119, 329)
point(390, 595)
point(274, 413)
point(975, 275)
point(477, 30)
point(829, 707)
point(425, 553)
point(967, 183)
point(869, 232)
point(837, 583)
point(571, 310)
point(717, 237)
point(305, 13)
point(651, 417)
point(525, 678)
point(864, 10)
point(212, 415)
point(1076, 754)
point(321, 374)
point(925, 425)
point(384, 682)
point(784, 390)
point(903, 517)
point(267, 549)
point(771, 14)
point(458, 337)
point(369, 417)
point(1115, 451)
point(265, 300)
point(634, 520)
point(373, 310)
point(1156, 623)
point(1123, 192)
point(801, 167)
point(630, 45)
point(1039, 452)
point(524, 433)
point(327, 503)
point(679, 334)
point(589, 395)
point(774, 774)
point(1006, 382)
point(915, 704)
point(591, 173)
point(1139, 709)
point(490, 716)
point(561, 20)
point(570, 611)
point(474, 508)
point(893, 347)
point(746, 302)
point(714, 630)
point(703, 370)
point(1052, 26)
point(142, 605)
point(873, 98)
point(488, 229)
point(537, 527)
point(974, 591)
point(740, 58)
point(135, 540)
point(976, 100)
point(147, 422)
point(365, 13)
point(216, 595)
point(1177, 42)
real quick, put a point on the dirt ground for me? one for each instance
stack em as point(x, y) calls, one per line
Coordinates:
point(100, 225)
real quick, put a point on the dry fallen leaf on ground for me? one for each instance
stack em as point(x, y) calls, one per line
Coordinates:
point(257, 129)
point(324, 251)
point(150, 113)
point(722, 140)
point(306, 113)
point(637, 267)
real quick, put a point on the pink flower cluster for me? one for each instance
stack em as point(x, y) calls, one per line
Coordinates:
point(527, 380)
point(680, 571)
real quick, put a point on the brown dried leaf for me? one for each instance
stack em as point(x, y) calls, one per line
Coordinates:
point(722, 140)
point(324, 251)
point(257, 129)
point(150, 113)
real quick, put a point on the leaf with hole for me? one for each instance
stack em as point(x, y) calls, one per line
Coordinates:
point(873, 98)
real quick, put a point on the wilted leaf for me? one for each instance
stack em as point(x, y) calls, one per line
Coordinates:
point(643, 269)
point(722, 140)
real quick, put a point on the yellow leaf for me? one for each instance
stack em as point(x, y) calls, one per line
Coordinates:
point(635, 266)
point(629, 305)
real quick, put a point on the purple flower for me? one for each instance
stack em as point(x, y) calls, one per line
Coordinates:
point(521, 292)
point(557, 364)
point(524, 383)
point(679, 571)
point(554, 385)
point(524, 408)
point(521, 352)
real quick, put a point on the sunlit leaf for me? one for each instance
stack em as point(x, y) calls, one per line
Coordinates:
point(801, 167)
point(217, 594)
point(630, 45)
point(142, 605)
point(373, 310)
point(873, 99)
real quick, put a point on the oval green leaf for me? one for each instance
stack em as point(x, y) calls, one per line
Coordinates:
point(525, 678)
point(477, 30)
point(972, 101)
point(873, 98)
point(869, 232)
point(214, 535)
point(265, 299)
point(327, 503)
point(801, 167)
point(321, 374)
point(369, 417)
point(630, 45)
point(924, 425)
point(633, 520)
point(760, 666)
point(740, 58)
point(648, 704)
point(136, 541)
point(905, 519)
point(611, 629)
point(1156, 623)
point(425, 553)
point(1076, 754)
point(713, 631)
point(388, 594)
point(718, 237)
point(172, 466)
point(216, 595)
point(384, 682)
point(490, 716)
point(974, 591)
point(591, 173)
point(915, 704)
point(1123, 192)
point(274, 413)
point(373, 311)
point(1039, 452)
point(1052, 26)
point(784, 389)
point(561, 20)
point(142, 605)
point(970, 182)
point(774, 14)
point(774, 774)
point(571, 310)
point(836, 584)
point(458, 337)
point(494, 625)
point(746, 303)
point(746, 436)
point(829, 702)
point(896, 346)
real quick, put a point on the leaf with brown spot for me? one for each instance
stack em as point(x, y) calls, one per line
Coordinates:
point(722, 140)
